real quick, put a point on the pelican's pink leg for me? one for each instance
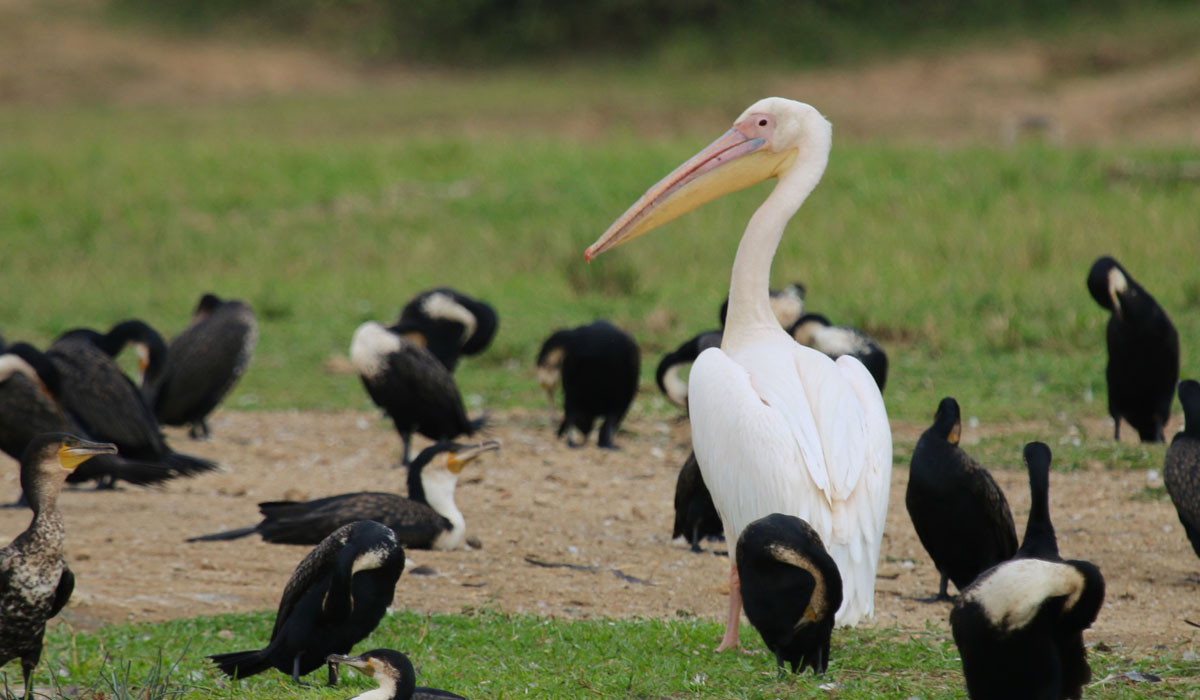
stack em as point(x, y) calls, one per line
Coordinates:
point(730, 640)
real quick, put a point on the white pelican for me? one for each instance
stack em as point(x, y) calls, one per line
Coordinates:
point(777, 427)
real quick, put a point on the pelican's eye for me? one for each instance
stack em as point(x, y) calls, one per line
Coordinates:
point(762, 122)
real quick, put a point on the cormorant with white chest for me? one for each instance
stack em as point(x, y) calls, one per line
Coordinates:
point(958, 511)
point(395, 675)
point(334, 599)
point(427, 519)
point(1143, 352)
point(35, 582)
point(598, 366)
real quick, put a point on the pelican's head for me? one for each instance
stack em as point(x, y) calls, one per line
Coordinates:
point(770, 137)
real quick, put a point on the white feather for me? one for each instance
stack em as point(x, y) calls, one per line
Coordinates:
point(370, 346)
point(443, 306)
point(1011, 594)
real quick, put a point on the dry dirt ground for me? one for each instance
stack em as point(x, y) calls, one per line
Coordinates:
point(539, 498)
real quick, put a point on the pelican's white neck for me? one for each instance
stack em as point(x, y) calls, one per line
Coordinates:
point(749, 300)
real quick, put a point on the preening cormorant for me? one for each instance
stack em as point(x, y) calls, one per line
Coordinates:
point(454, 323)
point(672, 364)
point(1019, 626)
point(597, 365)
point(394, 673)
point(958, 511)
point(405, 379)
point(1181, 470)
point(791, 589)
point(815, 331)
point(203, 364)
point(696, 517)
point(427, 519)
point(35, 582)
point(31, 406)
point(1143, 352)
point(335, 598)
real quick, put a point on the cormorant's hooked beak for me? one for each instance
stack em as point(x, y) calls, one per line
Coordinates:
point(459, 459)
point(361, 663)
point(71, 456)
point(731, 163)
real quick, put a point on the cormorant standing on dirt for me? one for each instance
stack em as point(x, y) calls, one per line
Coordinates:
point(454, 323)
point(791, 589)
point(35, 582)
point(427, 519)
point(597, 365)
point(203, 364)
point(395, 675)
point(815, 331)
point(409, 383)
point(1143, 352)
point(1019, 625)
point(1181, 470)
point(696, 517)
point(958, 511)
point(334, 599)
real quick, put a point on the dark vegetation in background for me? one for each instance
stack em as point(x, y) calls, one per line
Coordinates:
point(488, 32)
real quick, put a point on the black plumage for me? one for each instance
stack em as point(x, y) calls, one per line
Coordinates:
point(791, 589)
point(1181, 468)
point(454, 323)
point(30, 406)
point(667, 375)
point(1143, 352)
point(394, 673)
point(35, 582)
point(816, 331)
point(1019, 625)
point(598, 366)
point(405, 379)
point(334, 599)
point(958, 511)
point(427, 519)
point(696, 517)
point(203, 364)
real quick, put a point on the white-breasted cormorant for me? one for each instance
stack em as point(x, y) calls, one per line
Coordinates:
point(203, 363)
point(35, 582)
point(667, 376)
point(1019, 625)
point(958, 511)
point(335, 598)
point(394, 673)
point(1143, 352)
point(815, 331)
point(791, 589)
point(597, 365)
point(411, 386)
point(454, 323)
point(427, 519)
point(696, 517)
point(1181, 468)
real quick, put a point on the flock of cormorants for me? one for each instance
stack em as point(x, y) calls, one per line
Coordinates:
point(71, 414)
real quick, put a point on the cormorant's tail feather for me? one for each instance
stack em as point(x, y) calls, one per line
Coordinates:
point(242, 664)
point(131, 470)
point(187, 465)
point(480, 423)
point(225, 534)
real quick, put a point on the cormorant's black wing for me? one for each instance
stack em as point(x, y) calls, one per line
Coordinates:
point(66, 586)
point(426, 380)
point(986, 490)
point(292, 522)
point(311, 569)
point(204, 363)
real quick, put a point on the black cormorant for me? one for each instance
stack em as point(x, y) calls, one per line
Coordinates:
point(597, 365)
point(203, 364)
point(427, 519)
point(791, 589)
point(672, 364)
point(35, 582)
point(1143, 352)
point(1019, 625)
point(958, 511)
point(815, 331)
point(405, 379)
point(1181, 470)
point(696, 517)
point(335, 598)
point(454, 323)
point(394, 673)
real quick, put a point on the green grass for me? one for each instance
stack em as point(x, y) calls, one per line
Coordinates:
point(482, 653)
point(967, 263)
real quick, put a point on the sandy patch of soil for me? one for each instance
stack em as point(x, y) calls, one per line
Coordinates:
point(608, 510)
